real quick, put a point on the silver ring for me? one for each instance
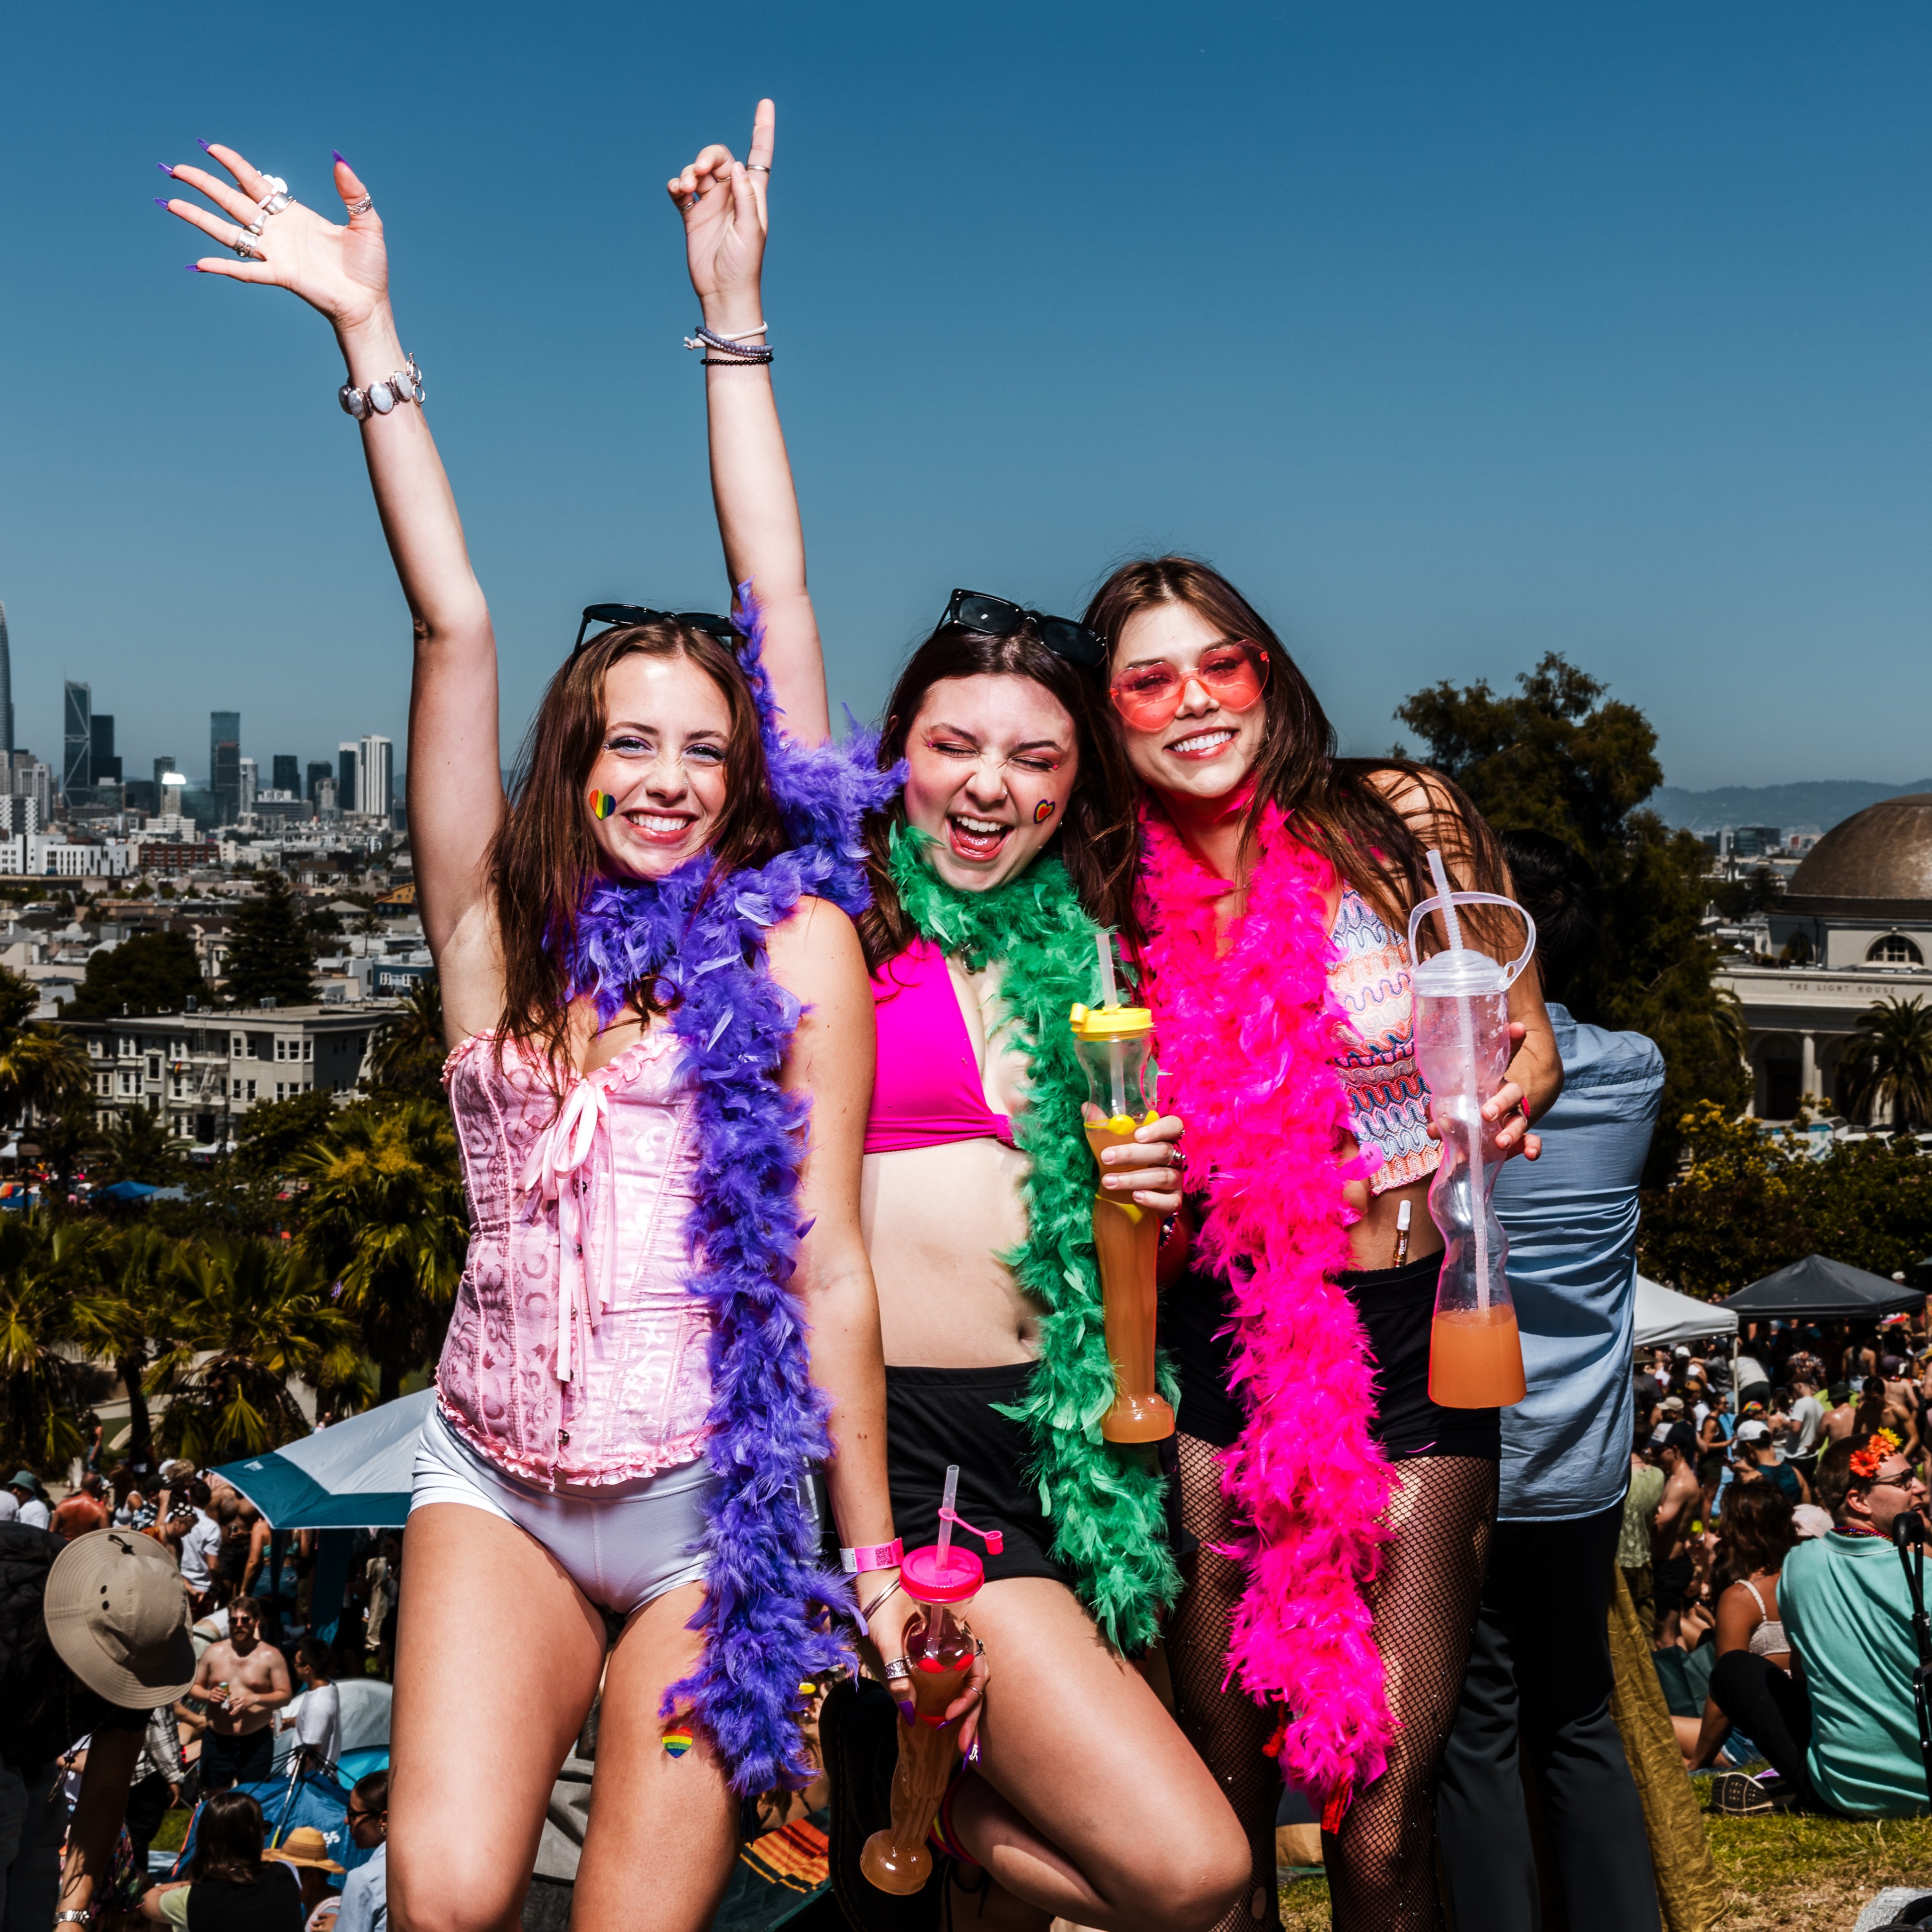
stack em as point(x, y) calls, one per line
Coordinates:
point(362, 207)
point(278, 197)
point(244, 244)
point(690, 201)
point(757, 167)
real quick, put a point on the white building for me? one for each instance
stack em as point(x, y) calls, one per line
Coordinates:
point(1854, 927)
point(250, 784)
point(375, 777)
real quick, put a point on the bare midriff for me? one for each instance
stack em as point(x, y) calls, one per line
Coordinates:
point(935, 1218)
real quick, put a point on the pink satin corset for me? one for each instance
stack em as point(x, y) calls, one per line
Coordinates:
point(576, 1355)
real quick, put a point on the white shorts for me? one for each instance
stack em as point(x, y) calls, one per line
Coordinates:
point(621, 1544)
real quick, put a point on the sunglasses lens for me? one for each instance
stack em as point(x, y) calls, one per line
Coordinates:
point(1233, 676)
point(1073, 642)
point(993, 615)
point(1148, 696)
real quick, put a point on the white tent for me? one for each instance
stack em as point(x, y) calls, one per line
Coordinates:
point(1665, 1317)
point(354, 1475)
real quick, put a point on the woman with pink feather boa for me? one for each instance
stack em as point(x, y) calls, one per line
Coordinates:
point(1277, 882)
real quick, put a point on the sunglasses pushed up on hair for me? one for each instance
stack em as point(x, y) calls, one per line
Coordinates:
point(1234, 674)
point(997, 617)
point(726, 633)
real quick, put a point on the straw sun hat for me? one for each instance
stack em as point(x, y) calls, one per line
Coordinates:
point(304, 1845)
point(118, 1618)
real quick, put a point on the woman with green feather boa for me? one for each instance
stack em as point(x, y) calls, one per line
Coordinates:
point(1008, 849)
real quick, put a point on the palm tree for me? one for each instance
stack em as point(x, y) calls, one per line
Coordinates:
point(407, 1055)
point(136, 1147)
point(386, 1220)
point(1888, 1070)
point(53, 1310)
point(40, 1067)
point(247, 1315)
point(132, 1267)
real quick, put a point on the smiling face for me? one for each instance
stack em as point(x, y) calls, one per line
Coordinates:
point(1205, 751)
point(659, 781)
point(991, 760)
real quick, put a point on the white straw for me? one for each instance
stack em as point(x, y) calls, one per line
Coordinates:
point(1104, 939)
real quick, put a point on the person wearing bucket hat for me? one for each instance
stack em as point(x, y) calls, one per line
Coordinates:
point(94, 1636)
point(30, 1500)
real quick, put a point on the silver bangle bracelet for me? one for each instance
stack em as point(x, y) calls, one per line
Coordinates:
point(406, 385)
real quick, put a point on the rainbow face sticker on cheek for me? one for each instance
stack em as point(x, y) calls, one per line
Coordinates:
point(1045, 810)
point(602, 804)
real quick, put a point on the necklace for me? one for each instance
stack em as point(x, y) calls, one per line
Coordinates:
point(1108, 1509)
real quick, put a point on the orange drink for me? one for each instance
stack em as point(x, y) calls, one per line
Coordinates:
point(1475, 1358)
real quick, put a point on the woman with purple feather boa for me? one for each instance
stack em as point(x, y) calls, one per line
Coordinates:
point(653, 989)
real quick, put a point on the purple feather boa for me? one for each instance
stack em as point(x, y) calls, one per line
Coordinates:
point(768, 1600)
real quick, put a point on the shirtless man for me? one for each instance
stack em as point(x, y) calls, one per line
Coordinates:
point(243, 1681)
point(1838, 1418)
point(1901, 1404)
point(1673, 1449)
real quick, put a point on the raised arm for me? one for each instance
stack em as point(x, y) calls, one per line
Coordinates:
point(455, 787)
point(724, 204)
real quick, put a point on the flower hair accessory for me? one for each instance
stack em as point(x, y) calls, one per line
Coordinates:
point(1865, 1462)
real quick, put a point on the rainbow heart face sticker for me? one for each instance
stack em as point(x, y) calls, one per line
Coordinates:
point(677, 1740)
point(601, 805)
point(1042, 812)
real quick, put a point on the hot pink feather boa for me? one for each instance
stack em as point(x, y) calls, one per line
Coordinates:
point(1248, 1035)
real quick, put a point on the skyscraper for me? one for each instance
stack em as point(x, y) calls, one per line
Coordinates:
point(285, 779)
point(319, 769)
point(224, 764)
point(77, 741)
point(376, 774)
point(6, 686)
point(107, 767)
point(347, 756)
point(249, 785)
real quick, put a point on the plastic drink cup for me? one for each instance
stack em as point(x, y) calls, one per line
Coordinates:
point(1463, 1050)
point(939, 1647)
point(1112, 1042)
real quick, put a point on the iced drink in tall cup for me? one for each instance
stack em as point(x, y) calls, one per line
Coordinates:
point(1112, 1042)
point(1462, 1049)
point(940, 1648)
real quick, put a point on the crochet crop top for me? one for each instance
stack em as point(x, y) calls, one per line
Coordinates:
point(927, 1089)
point(1369, 979)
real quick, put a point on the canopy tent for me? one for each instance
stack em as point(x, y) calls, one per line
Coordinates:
point(354, 1475)
point(1823, 1290)
point(1664, 1317)
point(139, 1190)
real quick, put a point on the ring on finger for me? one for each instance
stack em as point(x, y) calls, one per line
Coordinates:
point(757, 167)
point(690, 201)
point(246, 245)
point(361, 206)
point(278, 197)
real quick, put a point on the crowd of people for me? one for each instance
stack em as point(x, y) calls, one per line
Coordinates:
point(785, 1176)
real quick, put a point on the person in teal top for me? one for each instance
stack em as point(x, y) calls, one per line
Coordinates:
point(1840, 1728)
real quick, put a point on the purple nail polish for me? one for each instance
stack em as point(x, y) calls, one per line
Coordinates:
point(338, 157)
point(908, 1709)
point(203, 146)
point(159, 202)
point(166, 169)
point(194, 268)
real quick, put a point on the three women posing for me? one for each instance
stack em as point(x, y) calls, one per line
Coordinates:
point(1273, 880)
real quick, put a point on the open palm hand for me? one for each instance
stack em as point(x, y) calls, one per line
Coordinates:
point(342, 271)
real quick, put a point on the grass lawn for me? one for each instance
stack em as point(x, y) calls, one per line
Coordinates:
point(1804, 1874)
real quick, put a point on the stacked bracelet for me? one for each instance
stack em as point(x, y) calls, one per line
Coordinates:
point(406, 385)
point(730, 349)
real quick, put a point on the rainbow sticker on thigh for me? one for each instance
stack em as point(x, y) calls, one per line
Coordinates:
point(677, 1740)
point(601, 805)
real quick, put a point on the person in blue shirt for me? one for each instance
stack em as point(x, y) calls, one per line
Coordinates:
point(1839, 1730)
point(365, 1892)
point(1540, 1676)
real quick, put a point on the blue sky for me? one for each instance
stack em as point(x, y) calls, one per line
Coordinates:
point(1454, 334)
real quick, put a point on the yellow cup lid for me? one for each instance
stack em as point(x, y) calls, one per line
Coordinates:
point(1110, 1022)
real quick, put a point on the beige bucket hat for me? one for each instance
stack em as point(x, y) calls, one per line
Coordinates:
point(118, 1616)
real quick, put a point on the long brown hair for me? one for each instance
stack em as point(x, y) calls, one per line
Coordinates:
point(1757, 1534)
point(1096, 841)
point(1376, 843)
point(544, 857)
point(228, 1844)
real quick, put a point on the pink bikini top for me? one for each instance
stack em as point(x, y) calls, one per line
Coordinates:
point(927, 1090)
point(577, 1353)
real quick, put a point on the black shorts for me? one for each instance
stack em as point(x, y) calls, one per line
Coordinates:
point(242, 1760)
point(1396, 1307)
point(935, 1416)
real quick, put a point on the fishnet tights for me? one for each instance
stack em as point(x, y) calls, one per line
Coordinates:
point(1380, 1865)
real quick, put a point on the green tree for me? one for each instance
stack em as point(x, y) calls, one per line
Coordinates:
point(133, 1268)
point(1888, 1068)
point(386, 1218)
point(53, 1311)
point(271, 952)
point(245, 1317)
point(407, 1056)
point(273, 1133)
point(41, 1068)
point(1562, 758)
point(153, 972)
point(135, 1147)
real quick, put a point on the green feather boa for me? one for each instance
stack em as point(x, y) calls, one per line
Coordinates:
point(1107, 1504)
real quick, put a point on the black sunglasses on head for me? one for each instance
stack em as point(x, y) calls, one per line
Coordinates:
point(722, 629)
point(975, 610)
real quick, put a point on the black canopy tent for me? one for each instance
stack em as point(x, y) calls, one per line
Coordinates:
point(1823, 1290)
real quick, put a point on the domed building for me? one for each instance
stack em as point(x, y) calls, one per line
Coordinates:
point(1855, 927)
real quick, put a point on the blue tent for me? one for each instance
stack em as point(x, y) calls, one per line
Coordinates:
point(312, 1799)
point(353, 1475)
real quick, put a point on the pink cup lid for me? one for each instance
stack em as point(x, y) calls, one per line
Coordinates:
point(921, 1577)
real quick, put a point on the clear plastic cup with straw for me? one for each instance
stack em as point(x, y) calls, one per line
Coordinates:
point(1462, 1049)
point(940, 1647)
point(1112, 1042)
